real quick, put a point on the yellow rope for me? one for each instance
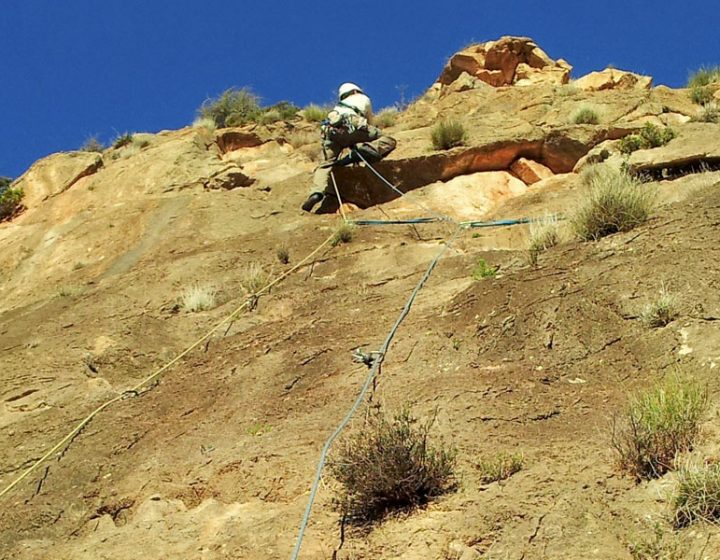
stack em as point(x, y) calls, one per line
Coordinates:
point(158, 372)
point(337, 193)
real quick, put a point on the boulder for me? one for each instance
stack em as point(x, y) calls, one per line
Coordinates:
point(55, 174)
point(508, 61)
point(611, 78)
point(530, 171)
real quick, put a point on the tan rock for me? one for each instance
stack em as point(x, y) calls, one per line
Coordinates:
point(530, 171)
point(611, 78)
point(505, 62)
point(55, 174)
point(696, 143)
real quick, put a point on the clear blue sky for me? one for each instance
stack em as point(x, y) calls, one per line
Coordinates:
point(75, 68)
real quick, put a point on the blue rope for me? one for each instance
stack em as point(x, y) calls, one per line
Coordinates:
point(496, 223)
point(394, 222)
point(368, 381)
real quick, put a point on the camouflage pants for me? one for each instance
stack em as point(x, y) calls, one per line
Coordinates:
point(369, 139)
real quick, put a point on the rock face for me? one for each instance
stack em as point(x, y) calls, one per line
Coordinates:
point(611, 78)
point(529, 171)
point(508, 61)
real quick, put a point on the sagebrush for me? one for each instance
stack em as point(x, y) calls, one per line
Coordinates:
point(658, 424)
point(650, 136)
point(233, 107)
point(391, 465)
point(448, 134)
point(585, 115)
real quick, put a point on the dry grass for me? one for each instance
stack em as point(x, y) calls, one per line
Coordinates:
point(198, 297)
point(660, 545)
point(615, 202)
point(282, 252)
point(544, 234)
point(204, 122)
point(709, 112)
point(448, 134)
point(500, 467)
point(314, 113)
point(343, 234)
point(585, 115)
point(390, 465)
point(697, 495)
point(254, 278)
point(386, 117)
point(300, 138)
point(661, 311)
point(658, 424)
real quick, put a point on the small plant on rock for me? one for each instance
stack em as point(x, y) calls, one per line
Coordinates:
point(282, 252)
point(500, 467)
point(122, 140)
point(650, 136)
point(343, 234)
point(585, 115)
point(198, 297)
point(659, 424)
point(448, 134)
point(254, 278)
point(233, 107)
point(660, 312)
point(204, 122)
point(92, 144)
point(543, 235)
point(386, 117)
point(660, 545)
point(708, 113)
point(391, 465)
point(701, 95)
point(615, 202)
point(705, 76)
point(314, 113)
point(483, 270)
point(697, 496)
point(10, 201)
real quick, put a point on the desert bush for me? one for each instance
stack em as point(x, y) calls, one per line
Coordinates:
point(500, 467)
point(543, 235)
point(386, 117)
point(708, 113)
point(701, 95)
point(650, 136)
point(706, 75)
point(204, 122)
point(448, 134)
point(483, 270)
point(660, 545)
point(268, 116)
point(285, 109)
point(122, 140)
point(390, 465)
point(658, 424)
point(630, 143)
point(233, 107)
point(315, 113)
point(614, 202)
point(697, 495)
point(661, 311)
point(92, 144)
point(343, 234)
point(10, 200)
point(254, 278)
point(198, 297)
point(5, 182)
point(282, 252)
point(585, 115)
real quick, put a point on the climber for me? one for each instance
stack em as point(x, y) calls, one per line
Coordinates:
point(347, 126)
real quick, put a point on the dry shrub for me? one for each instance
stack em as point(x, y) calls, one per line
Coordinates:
point(315, 113)
point(390, 465)
point(544, 234)
point(299, 138)
point(254, 278)
point(92, 144)
point(615, 202)
point(198, 297)
point(448, 134)
point(660, 545)
point(661, 311)
point(386, 117)
point(500, 467)
point(697, 495)
point(658, 424)
point(343, 234)
point(204, 122)
point(233, 107)
point(585, 115)
point(282, 252)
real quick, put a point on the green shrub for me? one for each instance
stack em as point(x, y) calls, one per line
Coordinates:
point(661, 545)
point(701, 95)
point(390, 465)
point(386, 117)
point(282, 252)
point(483, 270)
point(92, 144)
point(268, 116)
point(630, 143)
point(697, 496)
point(285, 109)
point(448, 134)
point(661, 311)
point(585, 115)
point(5, 183)
point(658, 424)
point(233, 107)
point(10, 200)
point(705, 76)
point(708, 113)
point(500, 467)
point(122, 140)
point(614, 202)
point(315, 113)
point(651, 136)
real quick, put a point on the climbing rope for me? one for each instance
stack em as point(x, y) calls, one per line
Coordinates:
point(135, 390)
point(377, 362)
point(394, 222)
point(337, 193)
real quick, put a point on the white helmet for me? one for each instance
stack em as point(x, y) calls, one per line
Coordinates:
point(347, 89)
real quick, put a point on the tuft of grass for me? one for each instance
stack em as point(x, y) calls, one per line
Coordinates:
point(661, 311)
point(10, 200)
point(483, 270)
point(386, 117)
point(391, 465)
point(651, 136)
point(198, 297)
point(233, 107)
point(500, 467)
point(268, 116)
point(705, 76)
point(701, 95)
point(204, 122)
point(92, 144)
point(122, 140)
point(314, 113)
point(697, 495)
point(543, 235)
point(300, 138)
point(660, 545)
point(709, 112)
point(284, 109)
point(615, 202)
point(282, 252)
point(585, 115)
point(448, 134)
point(658, 424)
point(343, 234)
point(254, 278)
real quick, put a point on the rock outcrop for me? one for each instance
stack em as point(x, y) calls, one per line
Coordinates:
point(611, 78)
point(507, 61)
